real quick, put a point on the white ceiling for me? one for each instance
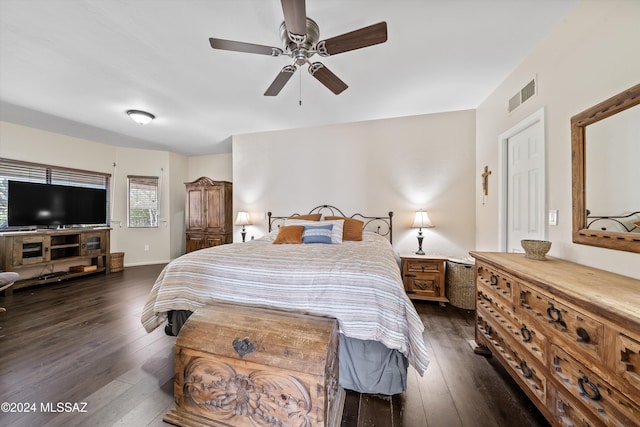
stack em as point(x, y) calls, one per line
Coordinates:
point(75, 66)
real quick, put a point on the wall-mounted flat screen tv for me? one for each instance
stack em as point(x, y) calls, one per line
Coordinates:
point(33, 204)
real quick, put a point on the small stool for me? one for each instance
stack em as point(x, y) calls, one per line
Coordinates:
point(7, 279)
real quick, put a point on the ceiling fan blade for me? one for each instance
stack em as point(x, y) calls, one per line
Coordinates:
point(244, 47)
point(327, 78)
point(295, 16)
point(366, 36)
point(281, 79)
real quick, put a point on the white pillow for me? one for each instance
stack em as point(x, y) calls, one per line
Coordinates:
point(336, 232)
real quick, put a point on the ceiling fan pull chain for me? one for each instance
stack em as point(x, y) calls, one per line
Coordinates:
point(300, 92)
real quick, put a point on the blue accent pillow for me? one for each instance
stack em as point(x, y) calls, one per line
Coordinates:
point(317, 234)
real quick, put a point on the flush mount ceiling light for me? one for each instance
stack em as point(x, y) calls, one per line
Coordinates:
point(140, 117)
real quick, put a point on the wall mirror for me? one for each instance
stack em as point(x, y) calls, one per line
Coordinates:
point(605, 148)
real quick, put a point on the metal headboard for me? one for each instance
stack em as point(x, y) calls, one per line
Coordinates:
point(383, 225)
point(593, 219)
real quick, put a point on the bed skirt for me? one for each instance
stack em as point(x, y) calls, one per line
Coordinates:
point(365, 366)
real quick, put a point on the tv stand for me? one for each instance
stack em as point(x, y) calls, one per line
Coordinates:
point(46, 256)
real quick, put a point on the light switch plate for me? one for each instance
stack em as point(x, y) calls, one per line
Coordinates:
point(553, 217)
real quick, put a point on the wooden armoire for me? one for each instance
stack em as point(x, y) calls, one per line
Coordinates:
point(208, 213)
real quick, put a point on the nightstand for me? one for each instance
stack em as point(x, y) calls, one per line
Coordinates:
point(423, 277)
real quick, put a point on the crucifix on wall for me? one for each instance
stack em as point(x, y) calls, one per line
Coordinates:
point(485, 181)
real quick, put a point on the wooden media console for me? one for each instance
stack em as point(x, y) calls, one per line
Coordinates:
point(47, 256)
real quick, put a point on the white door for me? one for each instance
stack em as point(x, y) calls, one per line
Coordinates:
point(525, 185)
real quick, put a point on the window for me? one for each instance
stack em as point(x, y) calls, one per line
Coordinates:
point(143, 201)
point(15, 170)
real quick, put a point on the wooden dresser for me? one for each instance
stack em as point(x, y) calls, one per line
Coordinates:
point(568, 334)
point(208, 213)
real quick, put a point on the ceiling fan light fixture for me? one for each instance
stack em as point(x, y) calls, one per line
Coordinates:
point(140, 117)
point(300, 38)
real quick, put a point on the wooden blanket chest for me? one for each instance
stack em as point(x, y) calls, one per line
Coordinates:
point(239, 365)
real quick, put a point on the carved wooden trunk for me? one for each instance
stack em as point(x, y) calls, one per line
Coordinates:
point(239, 365)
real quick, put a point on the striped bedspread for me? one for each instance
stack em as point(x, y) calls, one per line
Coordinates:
point(358, 283)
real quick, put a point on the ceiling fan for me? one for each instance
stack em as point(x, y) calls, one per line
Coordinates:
point(300, 36)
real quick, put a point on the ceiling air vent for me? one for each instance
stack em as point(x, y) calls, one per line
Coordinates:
point(527, 92)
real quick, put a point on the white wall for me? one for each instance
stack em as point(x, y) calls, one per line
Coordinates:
point(130, 161)
point(179, 172)
point(591, 56)
point(373, 167)
point(215, 166)
point(34, 145)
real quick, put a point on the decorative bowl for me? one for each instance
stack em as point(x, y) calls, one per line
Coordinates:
point(535, 249)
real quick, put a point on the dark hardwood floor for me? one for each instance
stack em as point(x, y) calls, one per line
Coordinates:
point(81, 343)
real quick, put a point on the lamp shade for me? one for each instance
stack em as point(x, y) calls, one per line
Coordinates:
point(421, 220)
point(140, 117)
point(243, 218)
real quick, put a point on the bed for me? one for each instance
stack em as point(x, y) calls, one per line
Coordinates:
point(356, 281)
point(623, 223)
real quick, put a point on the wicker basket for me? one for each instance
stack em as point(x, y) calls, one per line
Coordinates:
point(460, 287)
point(117, 261)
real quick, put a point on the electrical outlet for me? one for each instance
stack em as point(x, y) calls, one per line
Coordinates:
point(146, 247)
point(553, 217)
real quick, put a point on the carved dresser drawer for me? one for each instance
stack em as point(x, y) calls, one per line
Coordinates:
point(568, 415)
point(603, 400)
point(498, 280)
point(571, 326)
point(423, 266)
point(628, 361)
point(568, 334)
point(519, 364)
point(247, 366)
point(525, 332)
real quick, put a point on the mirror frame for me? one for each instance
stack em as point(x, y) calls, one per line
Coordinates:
point(605, 239)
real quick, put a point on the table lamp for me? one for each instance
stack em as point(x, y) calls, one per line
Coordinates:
point(421, 220)
point(243, 219)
